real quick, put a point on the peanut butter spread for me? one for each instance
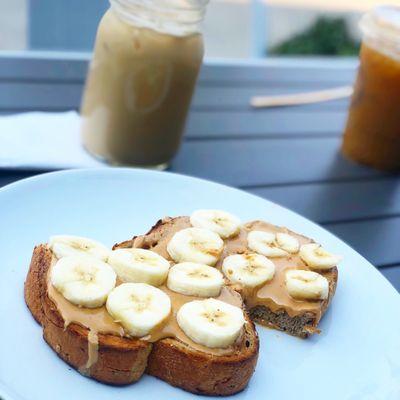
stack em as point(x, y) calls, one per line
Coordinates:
point(272, 294)
point(98, 320)
point(171, 328)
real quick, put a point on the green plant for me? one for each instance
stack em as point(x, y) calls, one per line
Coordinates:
point(325, 37)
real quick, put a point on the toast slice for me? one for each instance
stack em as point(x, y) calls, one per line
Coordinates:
point(122, 360)
point(279, 312)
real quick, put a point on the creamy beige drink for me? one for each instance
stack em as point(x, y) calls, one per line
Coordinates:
point(140, 82)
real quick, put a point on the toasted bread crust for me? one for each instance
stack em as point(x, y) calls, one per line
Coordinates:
point(33, 283)
point(124, 360)
point(199, 373)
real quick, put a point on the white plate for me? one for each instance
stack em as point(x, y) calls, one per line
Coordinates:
point(357, 356)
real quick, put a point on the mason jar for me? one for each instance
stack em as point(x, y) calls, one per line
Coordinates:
point(372, 134)
point(146, 60)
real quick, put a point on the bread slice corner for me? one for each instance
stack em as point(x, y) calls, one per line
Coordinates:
point(302, 325)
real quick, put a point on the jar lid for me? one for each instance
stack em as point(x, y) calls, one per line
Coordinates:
point(174, 17)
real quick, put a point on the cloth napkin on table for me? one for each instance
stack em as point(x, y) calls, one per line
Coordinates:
point(43, 141)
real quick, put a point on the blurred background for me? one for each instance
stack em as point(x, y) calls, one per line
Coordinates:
point(232, 29)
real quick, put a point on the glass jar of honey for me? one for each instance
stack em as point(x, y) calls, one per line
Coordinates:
point(372, 134)
point(141, 79)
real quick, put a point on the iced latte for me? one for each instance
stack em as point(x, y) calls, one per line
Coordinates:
point(140, 84)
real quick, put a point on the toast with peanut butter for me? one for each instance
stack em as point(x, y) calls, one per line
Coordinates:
point(94, 342)
point(173, 302)
point(281, 302)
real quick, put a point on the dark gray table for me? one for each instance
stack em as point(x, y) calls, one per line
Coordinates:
point(287, 155)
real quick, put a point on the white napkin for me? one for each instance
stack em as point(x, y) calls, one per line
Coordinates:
point(43, 141)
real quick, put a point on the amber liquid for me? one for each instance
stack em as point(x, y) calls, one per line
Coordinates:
point(138, 92)
point(372, 135)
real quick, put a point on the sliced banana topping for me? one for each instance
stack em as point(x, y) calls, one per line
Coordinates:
point(221, 222)
point(139, 266)
point(83, 280)
point(211, 322)
point(194, 279)
point(66, 245)
point(272, 245)
point(250, 270)
point(306, 285)
point(138, 307)
point(195, 245)
point(287, 242)
point(316, 257)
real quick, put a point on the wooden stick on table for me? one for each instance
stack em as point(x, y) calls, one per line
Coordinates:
point(302, 98)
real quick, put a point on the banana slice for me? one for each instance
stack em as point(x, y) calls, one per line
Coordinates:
point(265, 243)
point(287, 242)
point(211, 322)
point(250, 270)
point(66, 245)
point(195, 245)
point(138, 307)
point(194, 279)
point(83, 280)
point(218, 221)
point(316, 257)
point(306, 285)
point(139, 265)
